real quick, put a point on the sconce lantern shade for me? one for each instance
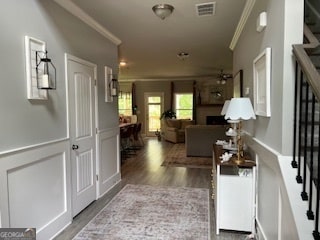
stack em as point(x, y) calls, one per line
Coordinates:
point(240, 109)
point(114, 86)
point(45, 71)
point(163, 10)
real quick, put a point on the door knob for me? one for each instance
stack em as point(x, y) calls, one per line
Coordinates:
point(75, 147)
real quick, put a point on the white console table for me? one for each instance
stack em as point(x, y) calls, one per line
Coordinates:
point(233, 193)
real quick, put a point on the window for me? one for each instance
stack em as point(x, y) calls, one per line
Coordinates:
point(125, 103)
point(183, 105)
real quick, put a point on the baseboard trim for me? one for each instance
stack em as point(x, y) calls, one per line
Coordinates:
point(260, 233)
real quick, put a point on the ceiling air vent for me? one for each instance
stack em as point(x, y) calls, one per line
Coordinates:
point(206, 9)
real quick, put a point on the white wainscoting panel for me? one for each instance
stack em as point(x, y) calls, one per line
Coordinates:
point(268, 198)
point(108, 160)
point(35, 188)
point(29, 195)
point(280, 210)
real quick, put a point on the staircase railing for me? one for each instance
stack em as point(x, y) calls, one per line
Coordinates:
point(306, 144)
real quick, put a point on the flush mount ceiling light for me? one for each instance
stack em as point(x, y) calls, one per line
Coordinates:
point(123, 63)
point(183, 55)
point(163, 10)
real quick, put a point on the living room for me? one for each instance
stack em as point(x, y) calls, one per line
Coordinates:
point(212, 93)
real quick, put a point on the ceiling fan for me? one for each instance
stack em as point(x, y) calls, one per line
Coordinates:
point(222, 77)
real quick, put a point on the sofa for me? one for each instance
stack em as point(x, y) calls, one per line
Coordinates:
point(199, 139)
point(173, 130)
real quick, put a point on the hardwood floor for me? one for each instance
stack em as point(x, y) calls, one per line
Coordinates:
point(145, 168)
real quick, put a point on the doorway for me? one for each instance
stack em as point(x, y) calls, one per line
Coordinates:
point(81, 77)
point(154, 108)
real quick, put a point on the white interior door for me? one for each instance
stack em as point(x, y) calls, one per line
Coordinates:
point(81, 91)
point(154, 108)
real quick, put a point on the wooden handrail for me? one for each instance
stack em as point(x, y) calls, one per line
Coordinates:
point(300, 52)
point(313, 41)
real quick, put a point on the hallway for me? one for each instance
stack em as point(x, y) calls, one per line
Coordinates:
point(145, 168)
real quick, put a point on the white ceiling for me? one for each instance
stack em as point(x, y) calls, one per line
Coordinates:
point(150, 45)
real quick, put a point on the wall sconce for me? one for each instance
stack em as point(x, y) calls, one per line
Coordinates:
point(111, 84)
point(114, 86)
point(45, 71)
point(39, 79)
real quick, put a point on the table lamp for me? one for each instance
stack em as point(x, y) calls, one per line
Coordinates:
point(233, 125)
point(239, 109)
point(225, 107)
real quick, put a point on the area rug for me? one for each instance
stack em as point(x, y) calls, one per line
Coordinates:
point(140, 212)
point(176, 157)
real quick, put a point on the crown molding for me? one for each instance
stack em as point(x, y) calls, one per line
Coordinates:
point(243, 19)
point(78, 12)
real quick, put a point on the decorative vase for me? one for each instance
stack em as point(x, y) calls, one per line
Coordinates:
point(158, 134)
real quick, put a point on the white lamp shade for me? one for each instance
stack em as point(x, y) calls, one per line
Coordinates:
point(225, 107)
point(240, 109)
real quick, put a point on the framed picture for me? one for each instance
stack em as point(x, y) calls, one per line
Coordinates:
point(261, 83)
point(217, 94)
point(107, 80)
point(237, 84)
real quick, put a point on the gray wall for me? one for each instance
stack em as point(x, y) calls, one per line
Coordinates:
point(273, 134)
point(183, 86)
point(26, 122)
point(284, 28)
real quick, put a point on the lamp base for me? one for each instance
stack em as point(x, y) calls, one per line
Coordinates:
point(237, 160)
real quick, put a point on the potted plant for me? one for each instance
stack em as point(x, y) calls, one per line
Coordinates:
point(168, 114)
point(158, 134)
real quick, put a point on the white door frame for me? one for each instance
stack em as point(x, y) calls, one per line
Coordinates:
point(146, 94)
point(96, 112)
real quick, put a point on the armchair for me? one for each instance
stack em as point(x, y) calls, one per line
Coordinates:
point(173, 130)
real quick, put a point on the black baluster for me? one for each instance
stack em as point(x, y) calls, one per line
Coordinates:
point(304, 194)
point(310, 212)
point(299, 178)
point(316, 234)
point(294, 163)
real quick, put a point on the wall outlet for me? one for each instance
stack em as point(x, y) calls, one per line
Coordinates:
point(247, 91)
